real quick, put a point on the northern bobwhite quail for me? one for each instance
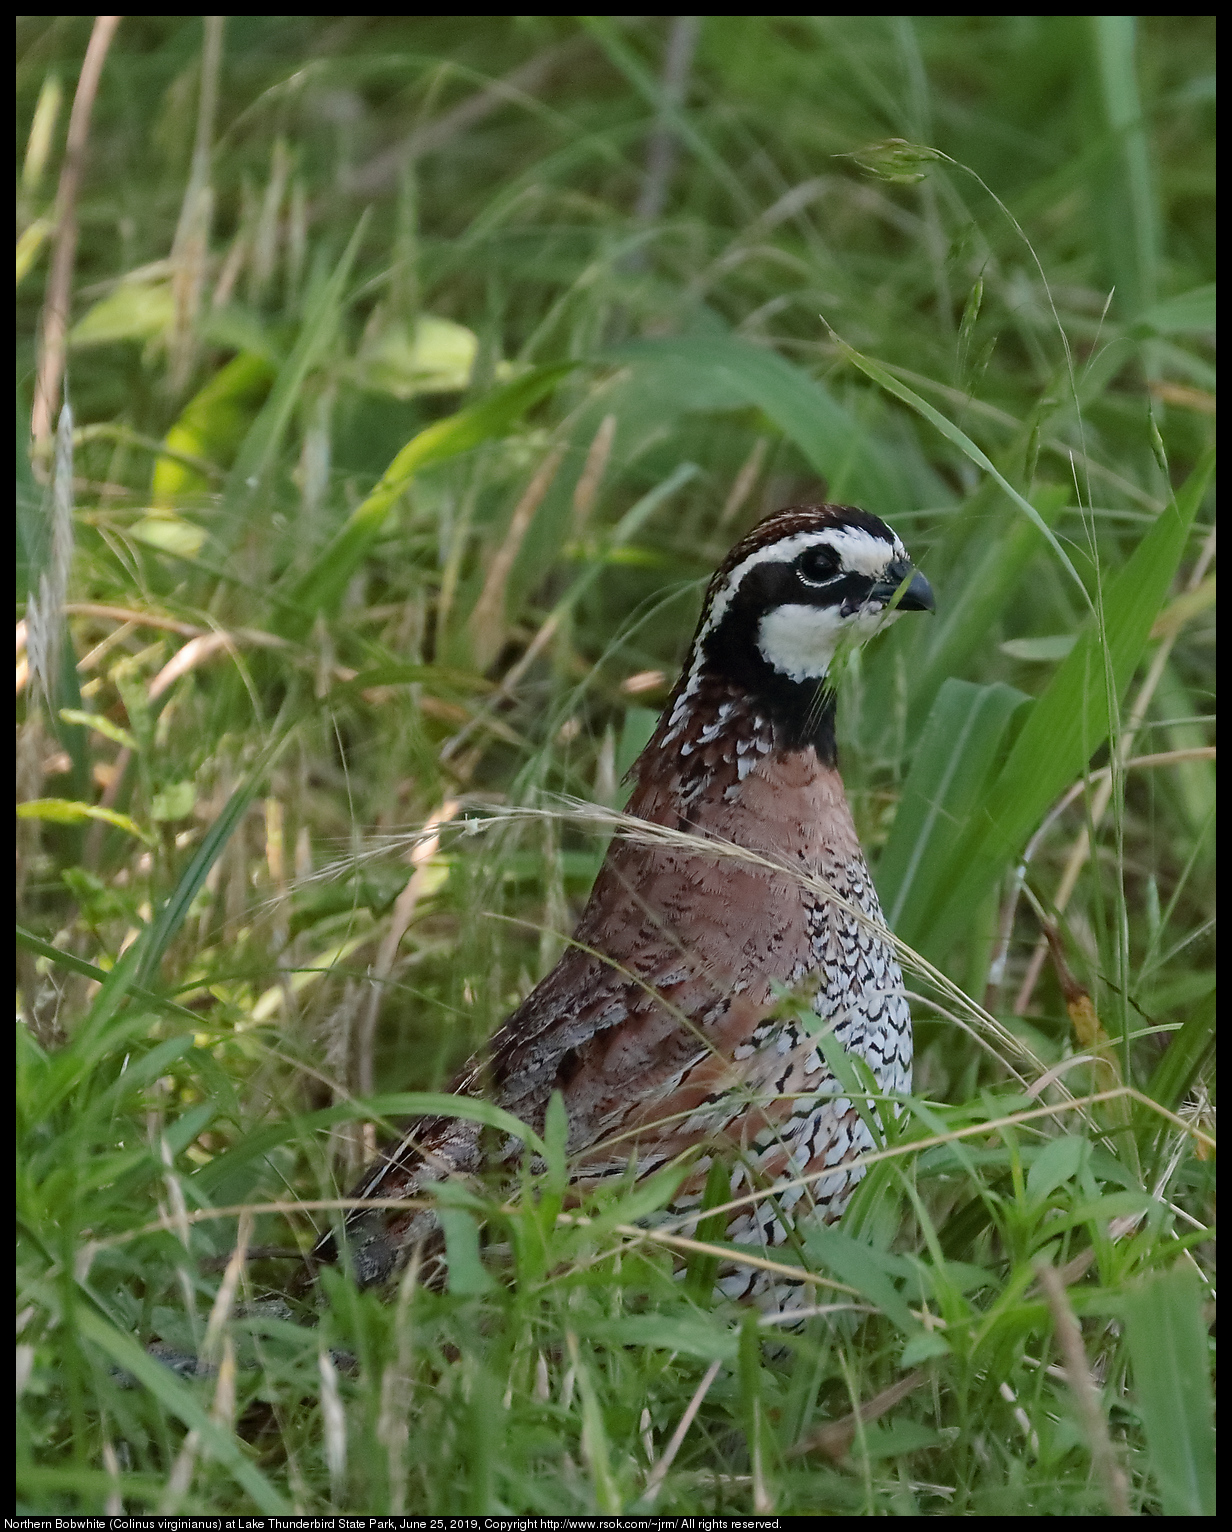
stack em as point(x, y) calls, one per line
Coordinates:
point(658, 1025)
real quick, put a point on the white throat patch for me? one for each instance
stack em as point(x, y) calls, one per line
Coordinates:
point(799, 641)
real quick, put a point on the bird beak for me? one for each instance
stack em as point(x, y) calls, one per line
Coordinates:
point(918, 597)
point(914, 596)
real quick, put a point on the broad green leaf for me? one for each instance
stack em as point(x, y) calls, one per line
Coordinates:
point(690, 1334)
point(432, 356)
point(134, 311)
point(212, 426)
point(1191, 311)
point(896, 1438)
point(319, 589)
point(1073, 717)
point(100, 725)
point(65, 811)
point(1056, 1163)
point(180, 1133)
point(169, 533)
point(1046, 650)
point(173, 802)
point(923, 1347)
point(1167, 1338)
point(179, 1399)
point(949, 773)
point(863, 1268)
point(468, 1277)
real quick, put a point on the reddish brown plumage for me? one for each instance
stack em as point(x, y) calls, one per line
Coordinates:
point(658, 1025)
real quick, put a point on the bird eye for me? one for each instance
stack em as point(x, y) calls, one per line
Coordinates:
point(818, 564)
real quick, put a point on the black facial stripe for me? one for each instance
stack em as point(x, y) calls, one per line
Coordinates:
point(732, 645)
point(803, 710)
point(847, 592)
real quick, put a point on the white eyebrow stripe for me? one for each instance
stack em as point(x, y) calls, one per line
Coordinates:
point(859, 551)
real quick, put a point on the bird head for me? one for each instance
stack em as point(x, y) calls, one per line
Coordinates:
point(802, 584)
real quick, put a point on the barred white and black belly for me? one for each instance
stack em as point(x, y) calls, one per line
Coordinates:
point(860, 1000)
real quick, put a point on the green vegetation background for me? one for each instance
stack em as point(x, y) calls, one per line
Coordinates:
point(420, 371)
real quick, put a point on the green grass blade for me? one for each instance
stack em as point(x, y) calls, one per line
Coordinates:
point(948, 776)
point(320, 588)
point(162, 931)
point(179, 1399)
point(1072, 718)
point(853, 463)
point(260, 445)
point(966, 612)
point(1125, 201)
point(387, 1108)
point(966, 446)
point(54, 1483)
point(64, 1070)
point(651, 91)
point(595, 1446)
point(1167, 1340)
point(1186, 1053)
point(468, 1277)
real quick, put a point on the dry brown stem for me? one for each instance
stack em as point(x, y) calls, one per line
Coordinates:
point(53, 338)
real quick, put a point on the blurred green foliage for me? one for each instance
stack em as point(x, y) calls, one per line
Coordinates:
point(418, 383)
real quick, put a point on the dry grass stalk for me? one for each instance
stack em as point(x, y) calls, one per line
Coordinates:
point(424, 849)
point(487, 619)
point(586, 491)
point(835, 1438)
point(1080, 852)
point(392, 1427)
point(190, 250)
point(658, 1473)
point(53, 338)
point(1078, 1373)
